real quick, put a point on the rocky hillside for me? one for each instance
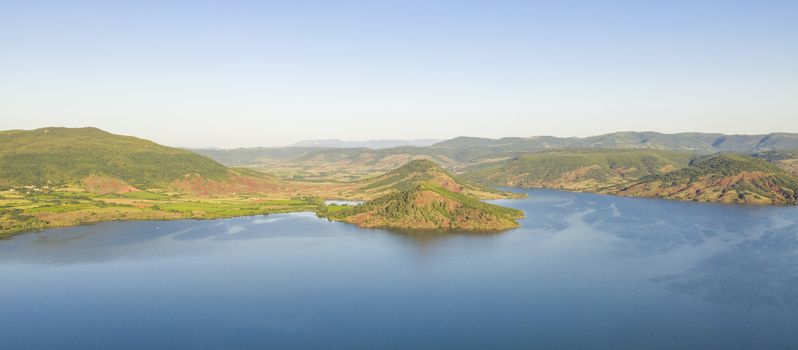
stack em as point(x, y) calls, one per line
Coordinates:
point(726, 178)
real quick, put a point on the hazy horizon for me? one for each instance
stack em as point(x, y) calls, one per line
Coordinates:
point(294, 144)
point(247, 74)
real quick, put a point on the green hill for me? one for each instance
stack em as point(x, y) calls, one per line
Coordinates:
point(724, 177)
point(423, 171)
point(583, 170)
point(421, 195)
point(65, 155)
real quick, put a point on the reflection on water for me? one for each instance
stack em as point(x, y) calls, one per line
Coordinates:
point(583, 270)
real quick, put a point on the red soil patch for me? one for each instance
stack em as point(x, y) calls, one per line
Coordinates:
point(104, 185)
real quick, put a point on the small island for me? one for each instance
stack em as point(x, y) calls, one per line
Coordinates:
point(426, 197)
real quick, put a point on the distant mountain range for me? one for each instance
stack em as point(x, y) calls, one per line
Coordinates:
point(697, 142)
point(373, 144)
point(460, 151)
point(689, 141)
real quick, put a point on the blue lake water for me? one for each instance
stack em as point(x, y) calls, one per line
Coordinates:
point(583, 271)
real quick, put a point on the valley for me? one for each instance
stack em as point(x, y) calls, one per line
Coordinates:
point(55, 177)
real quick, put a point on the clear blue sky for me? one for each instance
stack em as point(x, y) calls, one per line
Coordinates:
point(250, 73)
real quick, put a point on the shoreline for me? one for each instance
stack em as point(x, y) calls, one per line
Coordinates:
point(318, 212)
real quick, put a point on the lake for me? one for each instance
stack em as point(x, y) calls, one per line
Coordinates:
point(583, 271)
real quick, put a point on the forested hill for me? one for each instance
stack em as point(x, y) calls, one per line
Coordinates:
point(68, 155)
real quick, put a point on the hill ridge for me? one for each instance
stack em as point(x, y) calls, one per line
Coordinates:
point(58, 155)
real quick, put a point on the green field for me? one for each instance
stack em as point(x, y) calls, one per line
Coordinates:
point(243, 208)
point(21, 211)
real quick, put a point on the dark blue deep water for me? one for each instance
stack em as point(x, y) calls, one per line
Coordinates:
point(584, 271)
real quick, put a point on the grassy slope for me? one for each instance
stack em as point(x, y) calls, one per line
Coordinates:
point(726, 178)
point(577, 169)
point(64, 155)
